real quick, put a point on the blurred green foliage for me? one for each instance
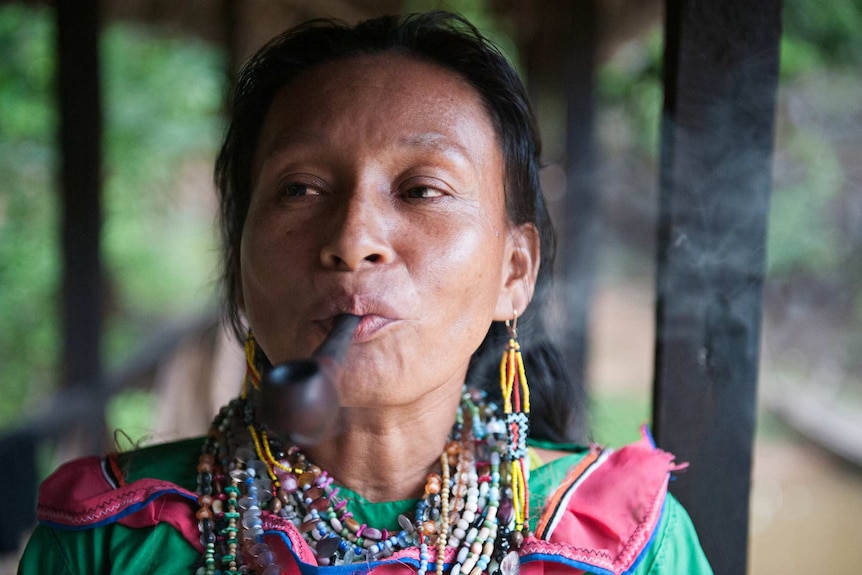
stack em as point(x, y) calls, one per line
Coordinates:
point(162, 99)
point(819, 125)
point(129, 414)
point(821, 46)
point(820, 34)
point(616, 417)
point(631, 82)
point(803, 239)
point(28, 218)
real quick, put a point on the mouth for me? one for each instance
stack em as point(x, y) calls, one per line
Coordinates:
point(369, 326)
point(375, 315)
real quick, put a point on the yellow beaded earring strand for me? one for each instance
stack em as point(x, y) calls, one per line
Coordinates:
point(252, 373)
point(516, 410)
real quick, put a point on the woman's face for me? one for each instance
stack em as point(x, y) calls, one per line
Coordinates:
point(378, 191)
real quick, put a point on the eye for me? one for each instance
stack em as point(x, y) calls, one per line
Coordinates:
point(297, 190)
point(422, 192)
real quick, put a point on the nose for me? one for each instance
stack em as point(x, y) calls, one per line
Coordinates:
point(359, 236)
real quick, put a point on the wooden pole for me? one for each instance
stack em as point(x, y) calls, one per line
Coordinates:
point(80, 134)
point(721, 72)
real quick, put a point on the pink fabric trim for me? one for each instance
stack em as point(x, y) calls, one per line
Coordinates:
point(394, 565)
point(300, 547)
point(78, 495)
point(610, 517)
point(305, 554)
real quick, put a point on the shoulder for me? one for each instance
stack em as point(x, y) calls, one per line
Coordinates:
point(109, 549)
point(91, 489)
point(675, 547)
point(611, 509)
point(175, 462)
point(145, 495)
point(626, 485)
point(139, 505)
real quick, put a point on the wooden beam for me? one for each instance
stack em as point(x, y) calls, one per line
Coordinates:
point(721, 72)
point(80, 138)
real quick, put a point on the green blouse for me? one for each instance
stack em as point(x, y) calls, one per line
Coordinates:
point(117, 549)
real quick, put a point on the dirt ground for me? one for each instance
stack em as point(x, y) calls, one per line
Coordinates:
point(806, 511)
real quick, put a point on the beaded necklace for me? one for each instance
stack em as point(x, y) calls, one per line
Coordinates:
point(474, 505)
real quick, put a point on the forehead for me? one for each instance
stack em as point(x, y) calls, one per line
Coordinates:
point(385, 97)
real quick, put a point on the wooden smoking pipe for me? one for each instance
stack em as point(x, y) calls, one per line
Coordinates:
point(299, 399)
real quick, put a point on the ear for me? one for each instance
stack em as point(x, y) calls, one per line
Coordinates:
point(520, 270)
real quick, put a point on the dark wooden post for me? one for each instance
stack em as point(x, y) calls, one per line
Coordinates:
point(80, 135)
point(721, 71)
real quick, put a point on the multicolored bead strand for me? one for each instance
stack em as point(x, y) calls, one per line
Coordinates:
point(443, 534)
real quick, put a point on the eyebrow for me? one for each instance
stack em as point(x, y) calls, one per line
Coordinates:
point(434, 141)
point(424, 141)
point(293, 138)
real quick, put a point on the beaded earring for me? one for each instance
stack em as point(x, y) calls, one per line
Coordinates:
point(252, 369)
point(516, 410)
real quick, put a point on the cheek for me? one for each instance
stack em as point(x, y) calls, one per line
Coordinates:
point(254, 252)
point(466, 272)
point(268, 260)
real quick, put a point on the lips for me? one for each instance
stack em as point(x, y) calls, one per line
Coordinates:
point(370, 325)
point(375, 314)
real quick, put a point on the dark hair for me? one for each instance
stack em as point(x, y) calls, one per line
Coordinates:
point(451, 42)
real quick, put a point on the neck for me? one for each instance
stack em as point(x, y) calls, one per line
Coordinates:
point(386, 453)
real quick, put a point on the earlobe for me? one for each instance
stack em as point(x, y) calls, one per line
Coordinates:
point(521, 268)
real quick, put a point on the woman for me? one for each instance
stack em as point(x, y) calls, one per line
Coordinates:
point(387, 171)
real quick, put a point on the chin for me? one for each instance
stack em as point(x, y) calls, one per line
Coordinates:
point(368, 395)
